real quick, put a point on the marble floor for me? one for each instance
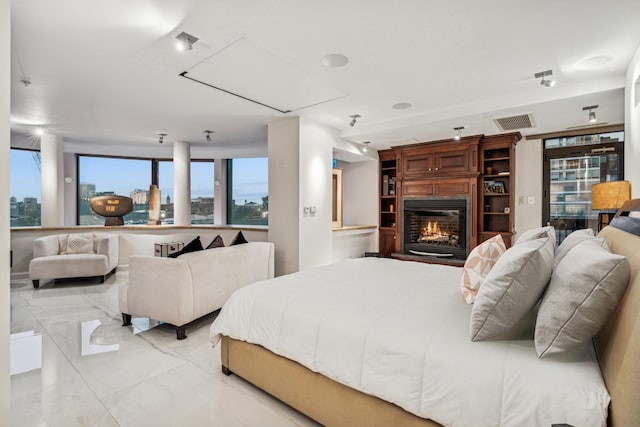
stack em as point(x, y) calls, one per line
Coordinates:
point(74, 365)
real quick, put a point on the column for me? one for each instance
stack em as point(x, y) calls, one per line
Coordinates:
point(182, 183)
point(220, 192)
point(5, 107)
point(51, 174)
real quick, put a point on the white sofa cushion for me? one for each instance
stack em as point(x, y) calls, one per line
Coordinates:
point(80, 244)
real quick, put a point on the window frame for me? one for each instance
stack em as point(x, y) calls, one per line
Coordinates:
point(32, 150)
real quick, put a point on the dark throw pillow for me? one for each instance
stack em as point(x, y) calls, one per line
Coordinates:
point(216, 243)
point(193, 246)
point(239, 239)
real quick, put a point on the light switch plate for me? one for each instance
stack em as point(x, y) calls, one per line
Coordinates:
point(531, 200)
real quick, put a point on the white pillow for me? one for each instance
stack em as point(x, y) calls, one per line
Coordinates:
point(62, 243)
point(512, 288)
point(80, 244)
point(570, 242)
point(536, 233)
point(584, 291)
point(478, 264)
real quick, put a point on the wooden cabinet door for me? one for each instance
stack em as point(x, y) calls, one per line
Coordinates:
point(387, 242)
point(453, 161)
point(418, 163)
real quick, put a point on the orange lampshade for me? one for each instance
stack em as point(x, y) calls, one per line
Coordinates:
point(610, 195)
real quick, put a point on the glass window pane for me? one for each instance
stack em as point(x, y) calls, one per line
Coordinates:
point(24, 184)
point(202, 178)
point(572, 141)
point(249, 204)
point(165, 184)
point(106, 176)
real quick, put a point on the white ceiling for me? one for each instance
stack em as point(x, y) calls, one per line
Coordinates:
point(107, 73)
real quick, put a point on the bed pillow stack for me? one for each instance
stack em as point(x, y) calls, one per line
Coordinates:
point(587, 284)
point(579, 286)
point(478, 265)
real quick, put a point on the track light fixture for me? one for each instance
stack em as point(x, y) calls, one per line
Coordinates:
point(207, 134)
point(458, 133)
point(161, 136)
point(185, 41)
point(592, 114)
point(545, 82)
point(354, 119)
point(366, 146)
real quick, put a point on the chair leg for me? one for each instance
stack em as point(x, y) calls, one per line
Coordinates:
point(126, 319)
point(226, 371)
point(181, 332)
point(102, 278)
point(36, 284)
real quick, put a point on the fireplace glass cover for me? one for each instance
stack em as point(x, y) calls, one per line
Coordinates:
point(436, 227)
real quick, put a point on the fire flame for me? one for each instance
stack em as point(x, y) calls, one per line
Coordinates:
point(432, 231)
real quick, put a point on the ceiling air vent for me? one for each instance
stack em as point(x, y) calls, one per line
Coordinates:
point(524, 121)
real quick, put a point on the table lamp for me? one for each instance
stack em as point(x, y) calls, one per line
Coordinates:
point(608, 197)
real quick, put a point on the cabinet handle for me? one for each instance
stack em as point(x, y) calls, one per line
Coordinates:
point(394, 237)
point(429, 169)
point(436, 168)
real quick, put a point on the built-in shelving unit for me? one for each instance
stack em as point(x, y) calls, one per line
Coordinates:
point(388, 201)
point(497, 187)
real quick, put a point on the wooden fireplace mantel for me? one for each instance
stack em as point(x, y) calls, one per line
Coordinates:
point(441, 168)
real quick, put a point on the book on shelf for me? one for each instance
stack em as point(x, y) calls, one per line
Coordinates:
point(385, 185)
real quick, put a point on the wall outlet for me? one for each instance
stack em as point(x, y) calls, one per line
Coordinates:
point(531, 200)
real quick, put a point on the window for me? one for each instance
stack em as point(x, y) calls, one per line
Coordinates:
point(98, 176)
point(24, 184)
point(248, 183)
point(165, 184)
point(202, 181)
point(571, 166)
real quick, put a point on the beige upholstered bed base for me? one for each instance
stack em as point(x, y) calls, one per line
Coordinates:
point(326, 401)
point(333, 404)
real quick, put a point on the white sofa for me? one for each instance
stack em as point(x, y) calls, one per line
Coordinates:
point(180, 290)
point(50, 262)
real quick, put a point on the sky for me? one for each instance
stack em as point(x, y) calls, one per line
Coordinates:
point(250, 176)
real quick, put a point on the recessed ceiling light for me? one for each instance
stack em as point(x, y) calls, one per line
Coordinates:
point(401, 105)
point(594, 62)
point(40, 130)
point(185, 41)
point(334, 60)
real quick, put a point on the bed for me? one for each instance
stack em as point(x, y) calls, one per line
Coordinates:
point(420, 368)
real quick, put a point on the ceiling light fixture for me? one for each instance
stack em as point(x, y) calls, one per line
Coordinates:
point(208, 135)
point(26, 81)
point(458, 133)
point(161, 136)
point(40, 130)
point(185, 41)
point(401, 106)
point(366, 146)
point(354, 119)
point(334, 60)
point(545, 82)
point(592, 114)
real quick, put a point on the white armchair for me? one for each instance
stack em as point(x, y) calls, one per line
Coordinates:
point(51, 262)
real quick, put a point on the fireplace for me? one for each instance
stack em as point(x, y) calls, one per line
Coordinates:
point(436, 227)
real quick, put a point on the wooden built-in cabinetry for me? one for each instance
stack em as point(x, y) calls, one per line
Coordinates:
point(497, 186)
point(449, 168)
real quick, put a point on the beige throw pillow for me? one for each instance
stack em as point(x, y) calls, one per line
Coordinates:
point(62, 243)
point(570, 242)
point(584, 291)
point(512, 288)
point(80, 244)
point(536, 233)
point(478, 264)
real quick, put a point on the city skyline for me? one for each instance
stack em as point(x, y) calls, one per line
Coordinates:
point(249, 176)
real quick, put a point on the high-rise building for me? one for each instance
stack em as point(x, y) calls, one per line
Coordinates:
point(86, 192)
point(139, 197)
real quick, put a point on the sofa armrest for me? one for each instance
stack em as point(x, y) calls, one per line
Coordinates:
point(108, 245)
point(159, 288)
point(46, 246)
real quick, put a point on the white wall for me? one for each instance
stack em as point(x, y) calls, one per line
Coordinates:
point(360, 195)
point(632, 126)
point(283, 193)
point(316, 152)
point(528, 184)
point(5, 137)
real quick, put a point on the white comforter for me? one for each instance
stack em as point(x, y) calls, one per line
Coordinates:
point(400, 331)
